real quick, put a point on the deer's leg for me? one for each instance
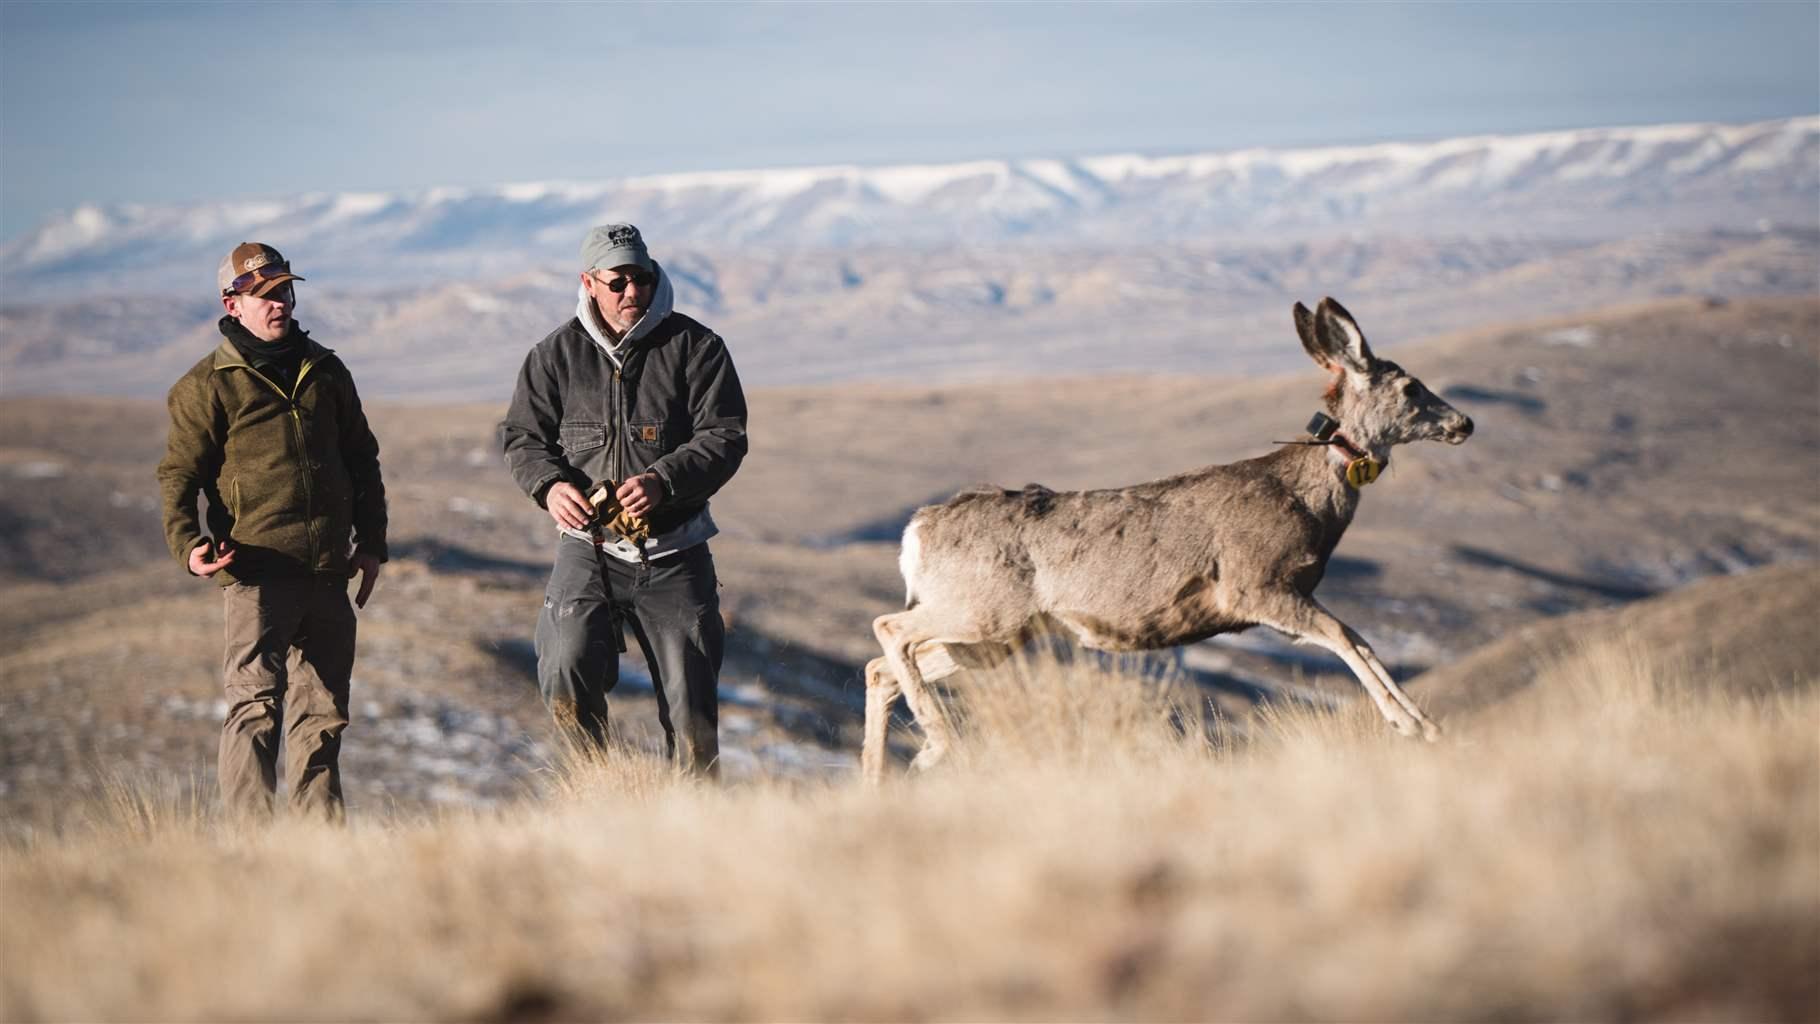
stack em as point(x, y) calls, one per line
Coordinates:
point(935, 662)
point(1304, 619)
point(1431, 730)
point(881, 693)
point(898, 635)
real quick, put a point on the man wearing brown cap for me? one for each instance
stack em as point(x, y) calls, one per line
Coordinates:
point(268, 429)
point(626, 419)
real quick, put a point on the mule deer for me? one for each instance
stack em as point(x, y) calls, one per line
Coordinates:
point(1173, 561)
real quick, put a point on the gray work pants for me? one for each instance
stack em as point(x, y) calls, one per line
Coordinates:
point(289, 657)
point(671, 606)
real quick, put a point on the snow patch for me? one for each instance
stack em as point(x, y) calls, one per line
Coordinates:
point(1577, 337)
point(479, 302)
point(1127, 198)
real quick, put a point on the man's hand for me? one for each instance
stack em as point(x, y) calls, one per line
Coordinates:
point(568, 506)
point(367, 568)
point(203, 561)
point(641, 494)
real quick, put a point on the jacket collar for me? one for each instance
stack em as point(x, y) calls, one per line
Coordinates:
point(662, 304)
point(227, 355)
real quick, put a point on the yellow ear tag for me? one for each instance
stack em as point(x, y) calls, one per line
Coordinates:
point(1360, 472)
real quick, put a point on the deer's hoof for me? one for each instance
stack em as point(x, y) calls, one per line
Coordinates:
point(928, 758)
point(1431, 731)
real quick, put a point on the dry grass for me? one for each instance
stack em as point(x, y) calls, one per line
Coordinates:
point(1625, 843)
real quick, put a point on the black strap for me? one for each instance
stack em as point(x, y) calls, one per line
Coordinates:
point(616, 618)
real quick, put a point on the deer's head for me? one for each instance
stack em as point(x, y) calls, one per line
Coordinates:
point(1377, 403)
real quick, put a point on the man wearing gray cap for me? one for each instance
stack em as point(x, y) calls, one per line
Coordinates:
point(625, 421)
point(269, 429)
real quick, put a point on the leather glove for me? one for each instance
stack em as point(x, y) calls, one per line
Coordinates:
point(610, 515)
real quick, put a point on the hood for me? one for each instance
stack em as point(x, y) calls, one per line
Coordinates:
point(662, 303)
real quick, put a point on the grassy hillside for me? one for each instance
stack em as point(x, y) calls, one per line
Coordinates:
point(1635, 843)
point(1606, 596)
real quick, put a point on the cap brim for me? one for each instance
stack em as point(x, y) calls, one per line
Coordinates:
point(266, 286)
point(623, 258)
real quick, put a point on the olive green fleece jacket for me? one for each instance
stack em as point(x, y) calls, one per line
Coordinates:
point(286, 476)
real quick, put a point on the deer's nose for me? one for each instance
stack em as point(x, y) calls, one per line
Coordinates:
point(1464, 430)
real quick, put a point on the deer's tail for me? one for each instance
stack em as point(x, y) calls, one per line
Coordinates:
point(909, 563)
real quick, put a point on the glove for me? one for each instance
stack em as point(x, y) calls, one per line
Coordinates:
point(610, 515)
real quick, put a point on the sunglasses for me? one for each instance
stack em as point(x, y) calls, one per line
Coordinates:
point(269, 272)
point(641, 278)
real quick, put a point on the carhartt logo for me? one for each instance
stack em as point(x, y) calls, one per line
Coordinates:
point(254, 262)
point(650, 434)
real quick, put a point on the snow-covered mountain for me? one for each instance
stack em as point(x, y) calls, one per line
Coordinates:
point(1585, 185)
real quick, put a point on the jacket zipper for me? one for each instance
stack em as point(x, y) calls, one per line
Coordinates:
point(618, 426)
point(303, 450)
point(622, 427)
point(304, 468)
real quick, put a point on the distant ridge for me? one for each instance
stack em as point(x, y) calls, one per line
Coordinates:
point(1585, 184)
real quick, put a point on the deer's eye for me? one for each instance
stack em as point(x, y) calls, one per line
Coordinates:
point(1411, 388)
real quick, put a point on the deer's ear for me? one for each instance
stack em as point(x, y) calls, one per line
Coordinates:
point(1304, 328)
point(1339, 334)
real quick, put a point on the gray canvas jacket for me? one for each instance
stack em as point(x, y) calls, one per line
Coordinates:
point(666, 400)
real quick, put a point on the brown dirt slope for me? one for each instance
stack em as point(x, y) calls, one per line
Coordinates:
point(1748, 633)
point(1617, 457)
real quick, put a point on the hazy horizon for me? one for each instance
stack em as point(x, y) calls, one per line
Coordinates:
point(195, 102)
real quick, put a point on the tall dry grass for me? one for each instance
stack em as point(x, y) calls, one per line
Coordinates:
point(1623, 842)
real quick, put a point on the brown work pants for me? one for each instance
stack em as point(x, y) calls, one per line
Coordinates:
point(290, 653)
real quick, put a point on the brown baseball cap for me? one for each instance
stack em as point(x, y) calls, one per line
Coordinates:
point(253, 268)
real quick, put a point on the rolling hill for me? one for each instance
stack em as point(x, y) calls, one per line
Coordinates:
point(1619, 456)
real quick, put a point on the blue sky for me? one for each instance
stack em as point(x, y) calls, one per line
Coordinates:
point(159, 102)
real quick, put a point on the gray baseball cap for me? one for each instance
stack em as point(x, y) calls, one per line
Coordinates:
point(614, 245)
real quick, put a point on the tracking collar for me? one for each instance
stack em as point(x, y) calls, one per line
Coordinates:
point(1362, 467)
